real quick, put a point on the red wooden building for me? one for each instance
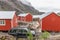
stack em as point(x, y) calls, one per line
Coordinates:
point(50, 21)
point(25, 17)
point(8, 20)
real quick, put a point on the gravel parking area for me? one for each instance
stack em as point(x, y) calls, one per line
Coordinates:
point(53, 36)
point(6, 36)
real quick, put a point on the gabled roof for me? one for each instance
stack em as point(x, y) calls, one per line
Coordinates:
point(46, 14)
point(42, 16)
point(7, 14)
point(23, 14)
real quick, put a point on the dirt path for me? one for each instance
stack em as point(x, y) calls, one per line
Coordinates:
point(55, 37)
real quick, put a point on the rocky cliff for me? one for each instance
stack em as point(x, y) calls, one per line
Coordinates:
point(19, 6)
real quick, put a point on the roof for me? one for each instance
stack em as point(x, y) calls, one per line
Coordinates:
point(46, 14)
point(58, 13)
point(7, 14)
point(23, 14)
point(42, 16)
point(36, 16)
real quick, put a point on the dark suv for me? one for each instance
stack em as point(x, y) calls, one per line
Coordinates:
point(21, 32)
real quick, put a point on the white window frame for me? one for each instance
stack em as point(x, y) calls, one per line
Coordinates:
point(2, 22)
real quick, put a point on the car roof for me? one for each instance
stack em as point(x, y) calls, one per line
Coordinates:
point(21, 28)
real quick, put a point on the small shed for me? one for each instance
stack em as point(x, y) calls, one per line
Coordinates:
point(8, 20)
point(50, 21)
point(25, 17)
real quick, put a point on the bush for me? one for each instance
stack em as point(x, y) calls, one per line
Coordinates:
point(30, 37)
point(45, 35)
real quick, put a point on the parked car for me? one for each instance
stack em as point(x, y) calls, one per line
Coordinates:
point(21, 32)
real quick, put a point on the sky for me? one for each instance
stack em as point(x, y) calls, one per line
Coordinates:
point(45, 4)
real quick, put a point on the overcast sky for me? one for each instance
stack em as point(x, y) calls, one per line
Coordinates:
point(54, 4)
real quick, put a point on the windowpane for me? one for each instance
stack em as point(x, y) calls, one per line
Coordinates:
point(2, 22)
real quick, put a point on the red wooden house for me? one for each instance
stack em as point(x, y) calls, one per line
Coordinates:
point(8, 20)
point(50, 22)
point(25, 17)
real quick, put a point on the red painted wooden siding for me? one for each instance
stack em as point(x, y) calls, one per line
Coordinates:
point(14, 21)
point(51, 22)
point(7, 25)
point(19, 18)
point(27, 18)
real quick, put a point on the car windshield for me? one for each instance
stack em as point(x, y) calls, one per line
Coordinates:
point(13, 31)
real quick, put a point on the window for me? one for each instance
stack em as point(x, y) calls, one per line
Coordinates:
point(22, 31)
point(2, 22)
point(23, 19)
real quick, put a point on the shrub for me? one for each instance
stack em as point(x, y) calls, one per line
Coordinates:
point(30, 37)
point(45, 35)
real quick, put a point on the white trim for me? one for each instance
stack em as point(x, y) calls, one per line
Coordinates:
point(41, 25)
